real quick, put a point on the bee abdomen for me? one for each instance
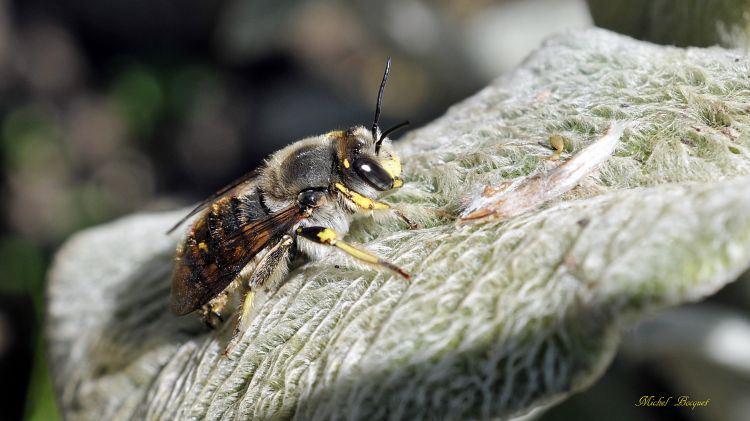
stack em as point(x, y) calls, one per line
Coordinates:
point(222, 224)
point(227, 217)
point(215, 250)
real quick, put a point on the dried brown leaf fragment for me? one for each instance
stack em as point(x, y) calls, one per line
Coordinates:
point(524, 194)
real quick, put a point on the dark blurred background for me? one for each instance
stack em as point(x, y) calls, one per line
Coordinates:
point(112, 107)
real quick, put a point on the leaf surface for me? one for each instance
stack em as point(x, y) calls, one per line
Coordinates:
point(500, 317)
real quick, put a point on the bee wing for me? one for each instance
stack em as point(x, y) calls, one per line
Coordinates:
point(198, 279)
point(246, 178)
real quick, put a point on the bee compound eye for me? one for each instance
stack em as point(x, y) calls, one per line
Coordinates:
point(373, 173)
point(311, 198)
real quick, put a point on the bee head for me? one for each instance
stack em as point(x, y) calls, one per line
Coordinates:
point(365, 159)
point(372, 160)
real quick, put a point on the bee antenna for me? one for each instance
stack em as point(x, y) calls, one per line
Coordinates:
point(387, 132)
point(380, 100)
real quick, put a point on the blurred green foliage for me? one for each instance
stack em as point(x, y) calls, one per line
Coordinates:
point(23, 268)
point(31, 140)
point(679, 22)
point(41, 404)
point(23, 275)
point(139, 96)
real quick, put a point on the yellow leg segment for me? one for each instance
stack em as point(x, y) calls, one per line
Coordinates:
point(242, 323)
point(327, 236)
point(359, 200)
point(268, 264)
point(372, 204)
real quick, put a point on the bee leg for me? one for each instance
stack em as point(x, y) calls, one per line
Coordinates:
point(327, 236)
point(359, 200)
point(412, 225)
point(271, 264)
point(365, 202)
point(212, 313)
point(211, 317)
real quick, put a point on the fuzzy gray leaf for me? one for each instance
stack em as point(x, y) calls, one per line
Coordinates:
point(500, 317)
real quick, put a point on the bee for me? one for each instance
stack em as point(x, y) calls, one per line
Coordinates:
point(302, 199)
